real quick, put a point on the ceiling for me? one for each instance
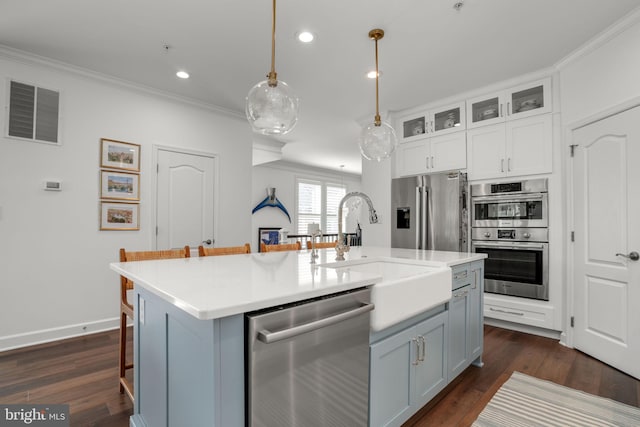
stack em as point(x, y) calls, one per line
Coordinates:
point(430, 51)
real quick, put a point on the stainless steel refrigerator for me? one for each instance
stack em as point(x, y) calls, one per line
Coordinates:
point(430, 212)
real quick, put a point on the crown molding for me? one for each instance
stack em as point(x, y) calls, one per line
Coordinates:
point(602, 38)
point(31, 59)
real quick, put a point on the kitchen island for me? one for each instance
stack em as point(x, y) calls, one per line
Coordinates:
point(189, 321)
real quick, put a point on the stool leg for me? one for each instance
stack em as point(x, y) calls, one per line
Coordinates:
point(123, 347)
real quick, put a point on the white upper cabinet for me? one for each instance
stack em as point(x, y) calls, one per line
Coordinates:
point(435, 121)
point(448, 152)
point(505, 133)
point(430, 155)
point(412, 127)
point(519, 147)
point(517, 102)
point(447, 119)
point(412, 158)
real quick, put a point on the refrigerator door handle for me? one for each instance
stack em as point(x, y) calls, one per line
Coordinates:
point(424, 198)
point(419, 222)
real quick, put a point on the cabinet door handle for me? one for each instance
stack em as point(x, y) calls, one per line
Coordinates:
point(427, 158)
point(417, 361)
point(501, 165)
point(460, 294)
point(424, 351)
point(501, 110)
point(508, 108)
point(431, 162)
point(509, 164)
point(461, 275)
point(506, 311)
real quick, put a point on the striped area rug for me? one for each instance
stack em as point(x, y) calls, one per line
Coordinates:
point(524, 401)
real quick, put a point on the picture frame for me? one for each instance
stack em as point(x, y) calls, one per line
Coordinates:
point(119, 155)
point(268, 236)
point(119, 185)
point(119, 216)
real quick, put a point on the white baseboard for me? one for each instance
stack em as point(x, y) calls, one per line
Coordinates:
point(534, 330)
point(11, 342)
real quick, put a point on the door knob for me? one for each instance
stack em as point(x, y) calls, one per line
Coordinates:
point(207, 242)
point(633, 256)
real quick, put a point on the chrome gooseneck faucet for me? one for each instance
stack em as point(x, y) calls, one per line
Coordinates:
point(343, 246)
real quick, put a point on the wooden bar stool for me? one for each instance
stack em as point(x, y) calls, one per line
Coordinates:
point(322, 245)
point(229, 250)
point(126, 308)
point(278, 248)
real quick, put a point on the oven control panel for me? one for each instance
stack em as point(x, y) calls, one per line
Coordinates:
point(510, 234)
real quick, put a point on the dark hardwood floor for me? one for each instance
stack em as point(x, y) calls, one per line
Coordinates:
point(83, 372)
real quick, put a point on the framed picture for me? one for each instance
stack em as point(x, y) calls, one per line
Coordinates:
point(119, 185)
point(268, 236)
point(119, 216)
point(119, 155)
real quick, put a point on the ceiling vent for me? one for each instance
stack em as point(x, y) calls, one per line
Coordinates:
point(33, 113)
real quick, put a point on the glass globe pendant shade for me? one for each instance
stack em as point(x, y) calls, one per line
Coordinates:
point(377, 142)
point(272, 109)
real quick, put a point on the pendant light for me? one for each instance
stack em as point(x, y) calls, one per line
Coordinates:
point(378, 139)
point(271, 106)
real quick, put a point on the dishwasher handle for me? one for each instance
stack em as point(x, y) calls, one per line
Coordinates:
point(269, 337)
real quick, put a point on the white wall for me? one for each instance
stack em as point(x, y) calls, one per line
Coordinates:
point(602, 75)
point(376, 183)
point(282, 176)
point(595, 80)
point(55, 279)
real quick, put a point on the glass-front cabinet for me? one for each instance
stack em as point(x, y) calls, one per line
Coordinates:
point(411, 127)
point(447, 119)
point(436, 121)
point(517, 102)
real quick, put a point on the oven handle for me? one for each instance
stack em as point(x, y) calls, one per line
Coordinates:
point(508, 197)
point(500, 245)
point(268, 337)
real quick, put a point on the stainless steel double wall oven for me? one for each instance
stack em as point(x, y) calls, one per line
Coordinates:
point(509, 223)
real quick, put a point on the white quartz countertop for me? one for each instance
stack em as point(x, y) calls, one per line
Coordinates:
point(218, 286)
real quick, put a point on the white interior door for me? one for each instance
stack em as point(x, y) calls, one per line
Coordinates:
point(185, 200)
point(607, 239)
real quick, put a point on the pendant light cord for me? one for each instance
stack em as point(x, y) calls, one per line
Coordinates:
point(377, 120)
point(272, 74)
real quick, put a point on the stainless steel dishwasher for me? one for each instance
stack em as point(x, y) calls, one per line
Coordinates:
point(308, 363)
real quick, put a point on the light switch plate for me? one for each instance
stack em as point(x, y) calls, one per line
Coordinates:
point(53, 186)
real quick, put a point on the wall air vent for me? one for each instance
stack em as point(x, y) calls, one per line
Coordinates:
point(33, 113)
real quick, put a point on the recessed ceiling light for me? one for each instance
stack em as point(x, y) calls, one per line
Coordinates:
point(182, 74)
point(372, 74)
point(305, 36)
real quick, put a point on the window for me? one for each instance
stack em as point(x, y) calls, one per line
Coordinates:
point(318, 202)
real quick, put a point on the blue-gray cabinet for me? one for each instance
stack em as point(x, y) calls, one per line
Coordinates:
point(407, 369)
point(465, 318)
point(413, 361)
point(188, 372)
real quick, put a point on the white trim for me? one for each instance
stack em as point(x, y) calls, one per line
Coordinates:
point(603, 114)
point(307, 170)
point(26, 339)
point(602, 38)
point(153, 194)
point(523, 328)
point(569, 129)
